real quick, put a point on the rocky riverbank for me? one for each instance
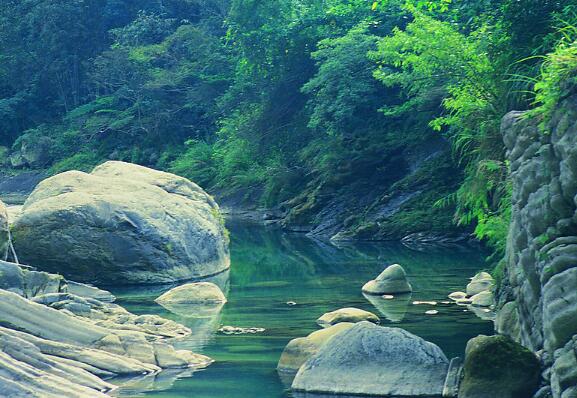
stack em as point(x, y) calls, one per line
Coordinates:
point(64, 339)
point(60, 338)
point(538, 299)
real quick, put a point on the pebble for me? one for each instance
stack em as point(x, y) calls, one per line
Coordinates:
point(291, 303)
point(237, 330)
point(432, 312)
point(424, 302)
point(388, 297)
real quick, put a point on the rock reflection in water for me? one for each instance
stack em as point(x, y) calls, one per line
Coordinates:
point(162, 381)
point(393, 310)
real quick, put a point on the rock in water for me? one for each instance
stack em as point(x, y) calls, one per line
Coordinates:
point(346, 315)
point(373, 360)
point(481, 282)
point(193, 293)
point(392, 280)
point(122, 223)
point(4, 236)
point(300, 349)
point(483, 299)
point(457, 296)
point(497, 367)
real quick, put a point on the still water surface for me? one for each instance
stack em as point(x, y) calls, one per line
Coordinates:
point(270, 268)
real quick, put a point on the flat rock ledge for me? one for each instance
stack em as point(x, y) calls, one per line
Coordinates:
point(65, 339)
point(372, 360)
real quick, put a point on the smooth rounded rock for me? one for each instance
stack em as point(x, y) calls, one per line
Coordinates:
point(483, 299)
point(300, 349)
point(457, 296)
point(481, 282)
point(392, 280)
point(122, 223)
point(372, 360)
point(193, 293)
point(497, 367)
point(353, 315)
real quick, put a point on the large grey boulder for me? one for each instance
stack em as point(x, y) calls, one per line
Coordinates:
point(372, 360)
point(122, 223)
point(497, 367)
point(393, 280)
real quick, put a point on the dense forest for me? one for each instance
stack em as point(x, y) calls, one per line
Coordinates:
point(284, 102)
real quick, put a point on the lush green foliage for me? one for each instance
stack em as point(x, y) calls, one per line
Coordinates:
point(287, 101)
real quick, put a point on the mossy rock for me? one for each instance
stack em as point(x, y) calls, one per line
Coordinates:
point(498, 367)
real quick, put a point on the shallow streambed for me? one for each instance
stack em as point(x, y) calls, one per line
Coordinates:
point(271, 268)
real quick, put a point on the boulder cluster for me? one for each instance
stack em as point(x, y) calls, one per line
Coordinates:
point(121, 223)
point(64, 339)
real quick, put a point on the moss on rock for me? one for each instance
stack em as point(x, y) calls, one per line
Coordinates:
point(498, 367)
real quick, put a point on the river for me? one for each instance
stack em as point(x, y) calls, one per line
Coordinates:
point(271, 268)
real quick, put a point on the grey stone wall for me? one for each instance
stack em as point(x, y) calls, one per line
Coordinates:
point(538, 299)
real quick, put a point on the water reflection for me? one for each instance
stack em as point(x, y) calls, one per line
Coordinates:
point(271, 268)
point(394, 309)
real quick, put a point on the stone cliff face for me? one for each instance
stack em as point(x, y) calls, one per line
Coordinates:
point(538, 299)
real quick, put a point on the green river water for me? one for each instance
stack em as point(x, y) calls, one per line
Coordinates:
point(270, 268)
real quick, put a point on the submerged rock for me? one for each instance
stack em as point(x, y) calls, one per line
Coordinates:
point(497, 367)
point(193, 293)
point(372, 360)
point(392, 280)
point(122, 223)
point(300, 349)
point(481, 282)
point(353, 315)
